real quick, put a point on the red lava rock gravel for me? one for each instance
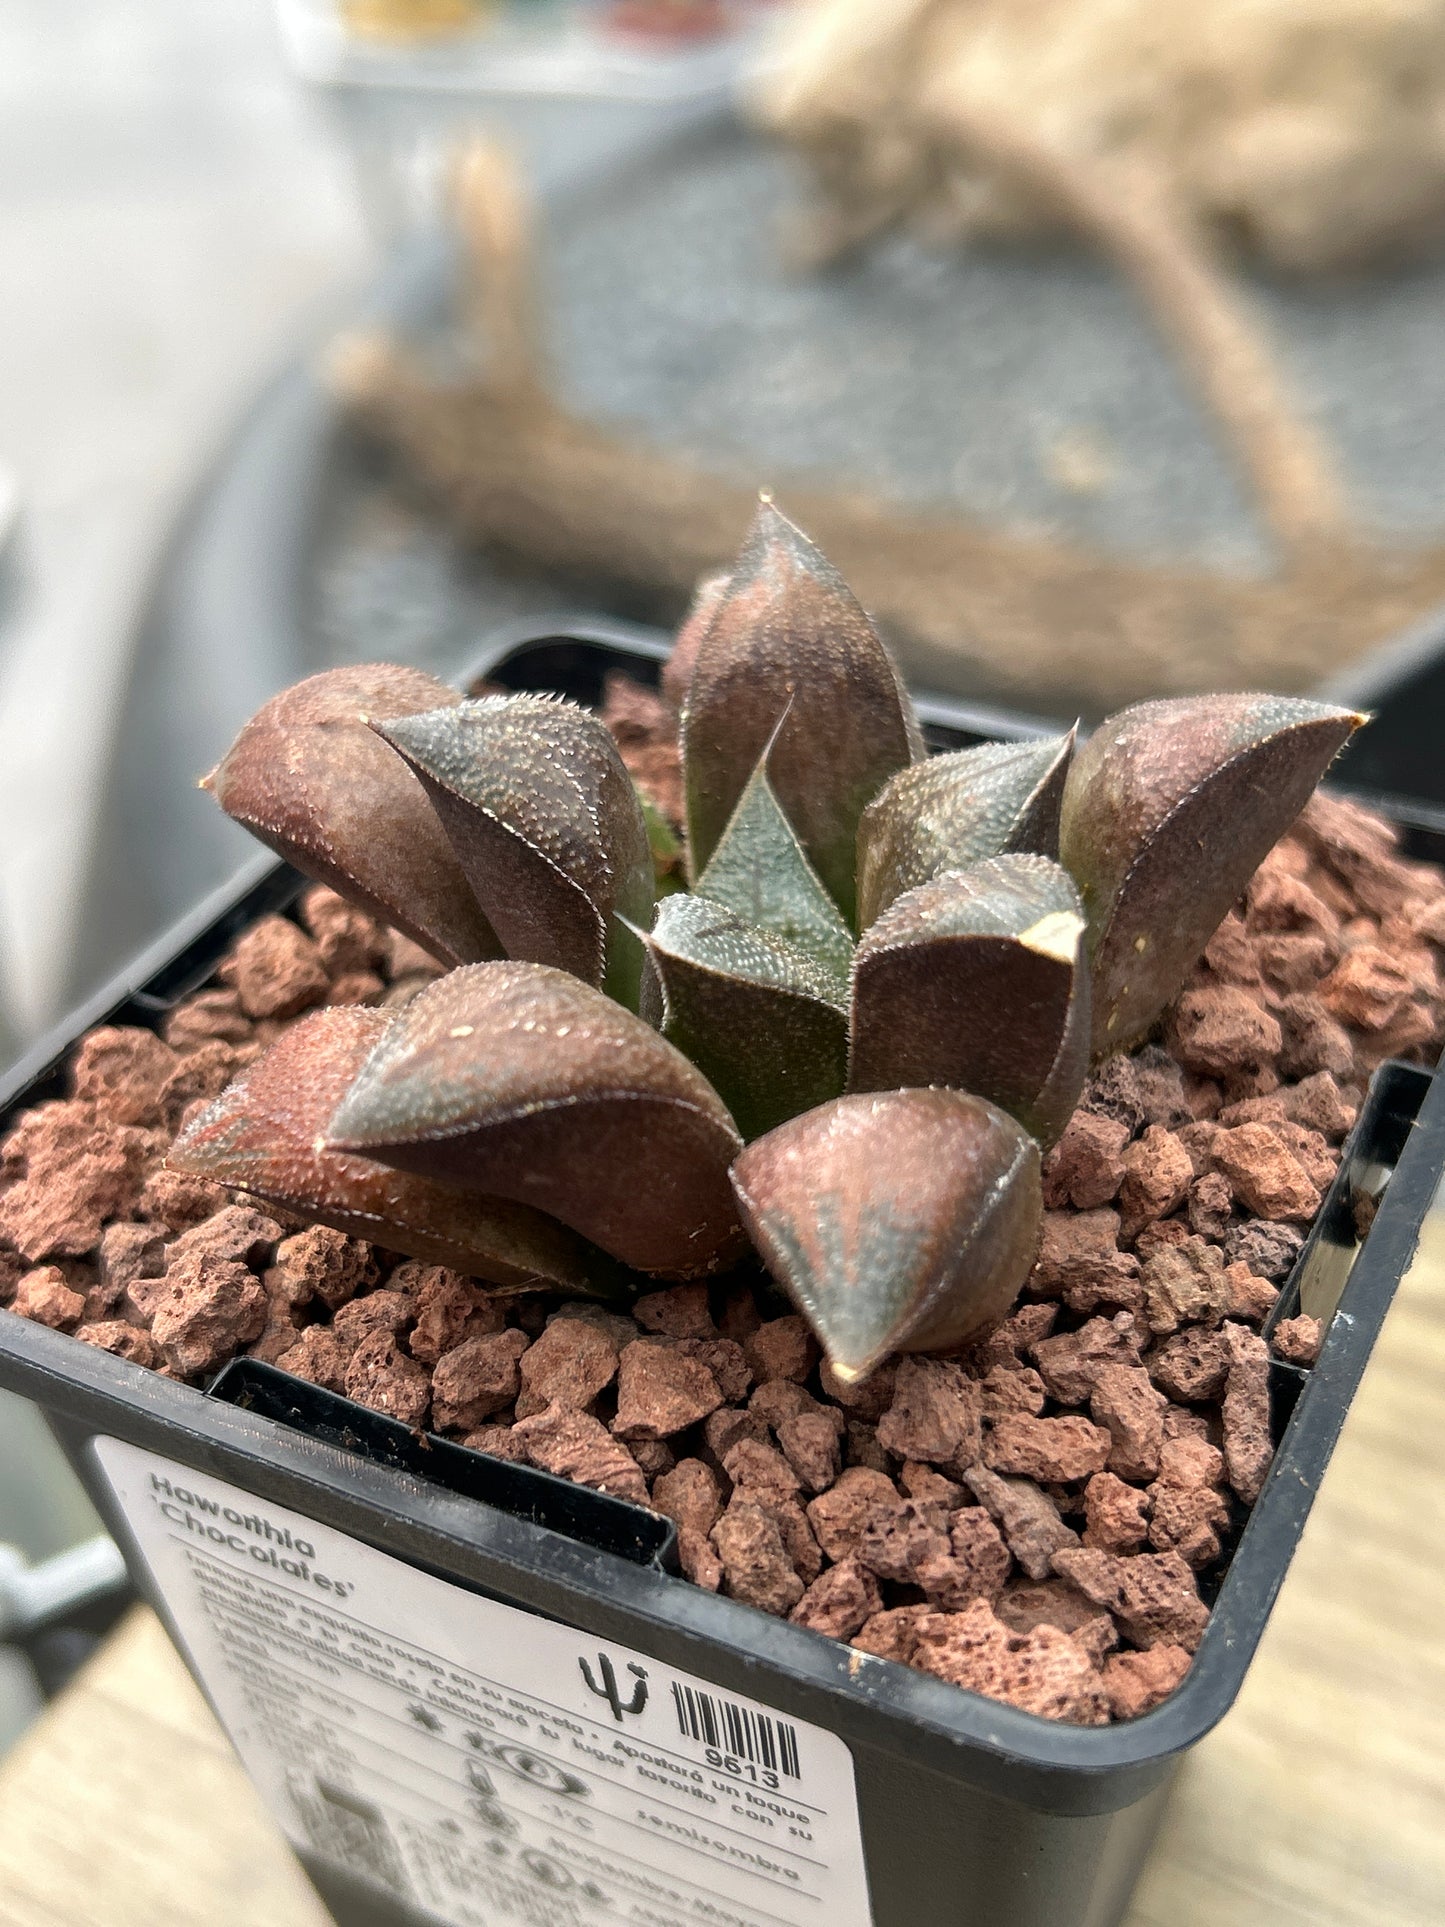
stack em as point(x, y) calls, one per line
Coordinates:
point(1030, 1520)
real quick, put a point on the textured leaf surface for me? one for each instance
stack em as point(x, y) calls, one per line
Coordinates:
point(951, 811)
point(760, 1019)
point(545, 823)
point(760, 871)
point(262, 1135)
point(787, 640)
point(309, 778)
point(526, 1083)
point(1169, 809)
point(907, 1221)
point(978, 980)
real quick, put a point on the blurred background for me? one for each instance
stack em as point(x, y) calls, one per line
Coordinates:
point(1100, 343)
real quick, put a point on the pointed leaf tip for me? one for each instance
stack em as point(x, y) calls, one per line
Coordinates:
point(311, 780)
point(523, 1082)
point(265, 1135)
point(906, 1221)
point(787, 628)
point(958, 809)
point(546, 825)
point(1169, 809)
point(977, 980)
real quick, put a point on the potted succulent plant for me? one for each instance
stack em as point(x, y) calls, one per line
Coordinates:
point(835, 1204)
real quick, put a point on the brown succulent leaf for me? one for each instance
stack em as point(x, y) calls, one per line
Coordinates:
point(760, 871)
point(309, 778)
point(954, 810)
point(547, 826)
point(788, 640)
point(901, 1222)
point(263, 1136)
point(1169, 809)
point(524, 1082)
point(762, 1022)
point(978, 980)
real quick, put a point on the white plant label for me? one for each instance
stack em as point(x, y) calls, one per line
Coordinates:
point(486, 1767)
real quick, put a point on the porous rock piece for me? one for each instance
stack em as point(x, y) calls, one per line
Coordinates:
point(937, 1495)
point(1313, 1039)
point(1157, 1174)
point(1026, 1604)
point(661, 1391)
point(781, 1398)
point(1044, 1672)
point(576, 1446)
point(1006, 1392)
point(1135, 1683)
point(1248, 1445)
point(44, 1297)
point(1070, 1363)
point(122, 1340)
point(1191, 1365)
point(756, 1567)
point(74, 1185)
point(902, 1543)
point(781, 1348)
point(1368, 988)
point(1184, 1284)
point(1027, 1517)
point(760, 1470)
point(332, 1267)
point(1187, 1519)
point(839, 1601)
point(1080, 1262)
point(982, 1559)
point(319, 1356)
point(347, 939)
point(1054, 1450)
point(123, 1071)
point(1086, 1166)
point(1318, 1103)
point(864, 1398)
point(1219, 1030)
point(1251, 1299)
point(1189, 1460)
point(812, 1447)
point(206, 1017)
point(1159, 1087)
point(240, 1233)
point(479, 1377)
point(1298, 1340)
point(688, 1495)
point(211, 1309)
point(1116, 1515)
point(1269, 1250)
point(497, 1442)
point(276, 969)
point(680, 1312)
point(655, 1456)
point(449, 1309)
point(568, 1365)
point(725, 1359)
point(1210, 1205)
point(936, 1414)
point(1265, 1174)
point(889, 1634)
point(178, 1201)
point(722, 1429)
point(1152, 1595)
point(378, 1311)
point(129, 1252)
point(379, 1374)
point(838, 1517)
point(1013, 1340)
point(1126, 1404)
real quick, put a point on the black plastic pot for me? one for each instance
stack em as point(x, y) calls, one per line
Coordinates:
point(972, 1814)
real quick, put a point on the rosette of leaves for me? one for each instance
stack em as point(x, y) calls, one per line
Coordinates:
point(844, 1044)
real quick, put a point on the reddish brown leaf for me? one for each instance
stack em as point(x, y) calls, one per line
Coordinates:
point(527, 1083)
point(546, 824)
point(263, 1136)
point(950, 811)
point(309, 778)
point(902, 1222)
point(788, 640)
point(1169, 809)
point(978, 980)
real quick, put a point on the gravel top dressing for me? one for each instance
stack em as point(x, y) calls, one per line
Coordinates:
point(1042, 1518)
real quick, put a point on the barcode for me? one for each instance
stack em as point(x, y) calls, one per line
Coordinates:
point(733, 1729)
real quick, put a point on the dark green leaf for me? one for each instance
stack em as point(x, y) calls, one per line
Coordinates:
point(902, 1222)
point(951, 811)
point(263, 1136)
point(760, 1019)
point(310, 779)
point(1169, 809)
point(978, 980)
point(788, 641)
point(523, 1082)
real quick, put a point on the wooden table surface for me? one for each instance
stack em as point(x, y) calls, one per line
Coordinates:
point(1320, 1802)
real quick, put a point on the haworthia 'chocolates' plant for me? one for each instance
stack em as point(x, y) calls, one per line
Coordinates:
point(844, 1044)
